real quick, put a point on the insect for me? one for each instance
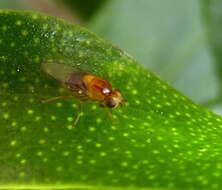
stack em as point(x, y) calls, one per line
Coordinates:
point(84, 86)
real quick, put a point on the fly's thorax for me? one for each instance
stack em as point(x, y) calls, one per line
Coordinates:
point(89, 78)
point(97, 88)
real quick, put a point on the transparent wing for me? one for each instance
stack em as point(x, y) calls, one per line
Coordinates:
point(69, 78)
point(58, 71)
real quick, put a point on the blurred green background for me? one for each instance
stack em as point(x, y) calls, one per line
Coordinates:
point(169, 37)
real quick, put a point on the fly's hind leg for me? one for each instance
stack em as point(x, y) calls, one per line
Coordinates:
point(56, 98)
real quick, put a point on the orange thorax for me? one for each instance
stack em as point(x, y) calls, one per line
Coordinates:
point(96, 86)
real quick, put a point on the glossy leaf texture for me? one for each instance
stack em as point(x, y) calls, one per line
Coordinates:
point(159, 139)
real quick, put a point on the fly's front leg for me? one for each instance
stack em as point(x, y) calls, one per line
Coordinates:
point(109, 114)
point(80, 108)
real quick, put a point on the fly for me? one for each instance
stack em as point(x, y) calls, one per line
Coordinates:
point(84, 86)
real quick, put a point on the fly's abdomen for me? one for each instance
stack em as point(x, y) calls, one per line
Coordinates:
point(75, 82)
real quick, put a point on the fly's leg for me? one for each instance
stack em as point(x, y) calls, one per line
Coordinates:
point(56, 98)
point(79, 114)
point(109, 114)
point(102, 105)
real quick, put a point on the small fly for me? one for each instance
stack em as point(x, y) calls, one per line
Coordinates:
point(84, 86)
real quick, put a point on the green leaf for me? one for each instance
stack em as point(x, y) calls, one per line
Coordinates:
point(159, 139)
